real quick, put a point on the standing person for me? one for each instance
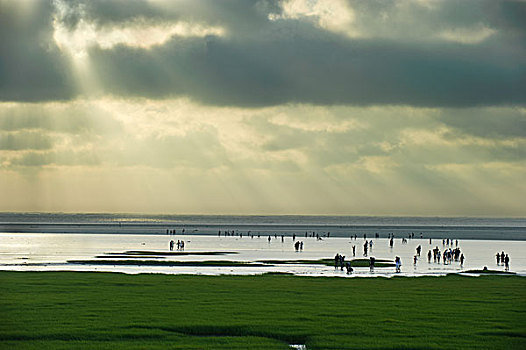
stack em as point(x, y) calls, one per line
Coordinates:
point(415, 259)
point(498, 258)
point(391, 242)
point(171, 245)
point(371, 264)
point(429, 256)
point(269, 239)
point(353, 250)
point(365, 246)
point(461, 260)
point(418, 249)
point(301, 245)
point(507, 262)
point(336, 260)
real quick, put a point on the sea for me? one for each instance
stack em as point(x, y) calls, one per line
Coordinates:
point(73, 241)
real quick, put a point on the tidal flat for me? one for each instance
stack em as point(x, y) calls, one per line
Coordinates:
point(86, 310)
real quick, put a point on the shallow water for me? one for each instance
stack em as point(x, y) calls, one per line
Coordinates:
point(338, 226)
point(50, 252)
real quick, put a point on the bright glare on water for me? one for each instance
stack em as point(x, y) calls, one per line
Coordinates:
point(51, 252)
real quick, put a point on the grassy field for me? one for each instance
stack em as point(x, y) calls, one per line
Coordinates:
point(65, 310)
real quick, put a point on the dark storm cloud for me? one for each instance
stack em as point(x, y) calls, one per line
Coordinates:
point(321, 70)
point(31, 67)
point(261, 62)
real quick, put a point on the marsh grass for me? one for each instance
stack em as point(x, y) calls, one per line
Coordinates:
point(65, 310)
point(217, 263)
point(330, 262)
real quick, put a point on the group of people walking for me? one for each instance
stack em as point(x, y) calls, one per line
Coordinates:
point(503, 259)
point(448, 255)
point(179, 245)
point(339, 262)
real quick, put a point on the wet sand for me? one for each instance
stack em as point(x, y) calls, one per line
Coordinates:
point(51, 252)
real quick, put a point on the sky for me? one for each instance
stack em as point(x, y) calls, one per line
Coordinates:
point(406, 107)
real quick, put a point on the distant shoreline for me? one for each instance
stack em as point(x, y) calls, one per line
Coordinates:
point(299, 229)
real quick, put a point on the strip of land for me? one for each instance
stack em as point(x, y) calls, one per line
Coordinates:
point(216, 263)
point(65, 310)
point(330, 262)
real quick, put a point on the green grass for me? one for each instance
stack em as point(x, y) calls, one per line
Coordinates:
point(491, 272)
point(167, 263)
point(73, 310)
point(330, 262)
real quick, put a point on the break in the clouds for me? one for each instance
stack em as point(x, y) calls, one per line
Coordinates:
point(409, 107)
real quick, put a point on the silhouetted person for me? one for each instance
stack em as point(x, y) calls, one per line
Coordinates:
point(498, 258)
point(507, 262)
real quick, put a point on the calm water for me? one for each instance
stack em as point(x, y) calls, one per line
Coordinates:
point(46, 252)
point(42, 241)
point(338, 226)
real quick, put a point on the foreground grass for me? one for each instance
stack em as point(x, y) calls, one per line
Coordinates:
point(59, 310)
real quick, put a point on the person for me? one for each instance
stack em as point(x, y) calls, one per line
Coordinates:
point(418, 249)
point(398, 264)
point(348, 267)
point(171, 245)
point(342, 261)
point(365, 248)
point(297, 245)
point(353, 250)
point(429, 256)
point(498, 258)
point(391, 242)
point(301, 245)
point(461, 259)
point(371, 263)
point(336, 260)
point(507, 262)
point(269, 239)
point(415, 259)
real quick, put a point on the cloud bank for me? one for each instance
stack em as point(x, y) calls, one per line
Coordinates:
point(409, 107)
